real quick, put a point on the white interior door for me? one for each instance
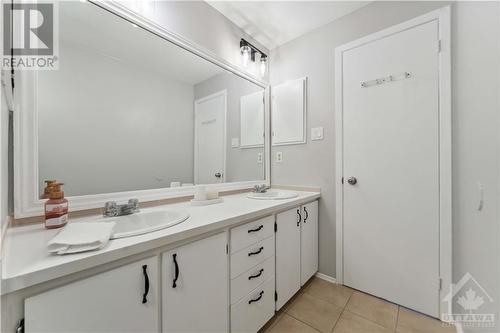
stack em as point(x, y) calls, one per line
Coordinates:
point(210, 139)
point(391, 147)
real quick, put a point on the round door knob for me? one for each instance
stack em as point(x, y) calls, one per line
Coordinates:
point(352, 180)
point(218, 175)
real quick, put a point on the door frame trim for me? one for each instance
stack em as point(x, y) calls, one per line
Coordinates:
point(196, 102)
point(442, 16)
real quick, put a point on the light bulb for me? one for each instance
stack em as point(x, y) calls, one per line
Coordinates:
point(263, 65)
point(245, 53)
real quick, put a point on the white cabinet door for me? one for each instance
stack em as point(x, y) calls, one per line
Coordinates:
point(113, 301)
point(287, 255)
point(195, 287)
point(309, 242)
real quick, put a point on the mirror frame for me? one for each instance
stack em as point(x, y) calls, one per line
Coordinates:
point(26, 183)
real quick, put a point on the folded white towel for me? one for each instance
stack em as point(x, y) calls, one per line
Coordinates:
point(80, 237)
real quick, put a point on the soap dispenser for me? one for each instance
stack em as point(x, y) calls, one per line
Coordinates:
point(56, 208)
point(48, 188)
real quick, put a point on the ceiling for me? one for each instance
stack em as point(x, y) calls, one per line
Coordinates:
point(273, 23)
point(91, 29)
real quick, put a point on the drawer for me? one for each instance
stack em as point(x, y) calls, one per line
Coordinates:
point(251, 233)
point(249, 280)
point(254, 310)
point(251, 256)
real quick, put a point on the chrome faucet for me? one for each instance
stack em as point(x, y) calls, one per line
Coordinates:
point(261, 188)
point(111, 208)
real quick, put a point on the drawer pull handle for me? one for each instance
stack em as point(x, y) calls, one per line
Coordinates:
point(256, 252)
point(176, 270)
point(256, 275)
point(146, 284)
point(256, 229)
point(257, 299)
point(299, 217)
point(307, 215)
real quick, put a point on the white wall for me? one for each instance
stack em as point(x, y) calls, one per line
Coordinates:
point(241, 163)
point(475, 84)
point(476, 112)
point(105, 126)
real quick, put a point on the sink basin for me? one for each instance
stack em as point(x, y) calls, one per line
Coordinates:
point(272, 195)
point(144, 222)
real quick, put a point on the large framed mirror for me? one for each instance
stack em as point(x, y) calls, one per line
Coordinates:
point(134, 111)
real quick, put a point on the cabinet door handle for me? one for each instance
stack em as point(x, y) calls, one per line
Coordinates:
point(176, 270)
point(307, 215)
point(257, 299)
point(146, 283)
point(256, 229)
point(256, 252)
point(299, 216)
point(256, 275)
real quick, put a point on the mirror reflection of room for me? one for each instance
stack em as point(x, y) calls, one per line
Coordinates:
point(132, 111)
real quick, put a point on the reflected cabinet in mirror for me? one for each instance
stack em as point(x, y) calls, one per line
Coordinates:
point(130, 110)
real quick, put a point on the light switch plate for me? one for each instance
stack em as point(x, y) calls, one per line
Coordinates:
point(279, 157)
point(259, 158)
point(235, 142)
point(317, 133)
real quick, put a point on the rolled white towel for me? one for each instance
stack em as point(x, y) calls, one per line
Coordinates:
point(80, 237)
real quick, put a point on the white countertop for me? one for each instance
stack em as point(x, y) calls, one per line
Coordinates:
point(26, 261)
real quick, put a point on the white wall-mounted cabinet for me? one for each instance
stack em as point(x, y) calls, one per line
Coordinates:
point(296, 250)
point(195, 287)
point(288, 113)
point(124, 299)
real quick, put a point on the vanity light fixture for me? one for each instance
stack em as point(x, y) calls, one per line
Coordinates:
point(248, 52)
point(263, 64)
point(245, 54)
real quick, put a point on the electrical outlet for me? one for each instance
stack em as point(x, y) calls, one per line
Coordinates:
point(279, 157)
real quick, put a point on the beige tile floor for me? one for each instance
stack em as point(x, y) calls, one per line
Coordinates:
point(321, 306)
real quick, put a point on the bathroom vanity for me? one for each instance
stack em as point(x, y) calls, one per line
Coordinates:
point(227, 268)
point(165, 118)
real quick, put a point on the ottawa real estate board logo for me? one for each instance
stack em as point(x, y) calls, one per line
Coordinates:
point(30, 36)
point(469, 305)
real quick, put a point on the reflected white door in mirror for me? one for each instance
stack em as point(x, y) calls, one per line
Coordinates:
point(210, 138)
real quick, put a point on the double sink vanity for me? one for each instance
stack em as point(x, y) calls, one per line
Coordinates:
point(226, 268)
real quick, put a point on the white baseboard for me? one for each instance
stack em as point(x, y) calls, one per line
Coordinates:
point(326, 277)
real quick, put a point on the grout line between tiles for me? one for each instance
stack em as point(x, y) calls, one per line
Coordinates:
point(303, 322)
point(370, 320)
point(343, 309)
